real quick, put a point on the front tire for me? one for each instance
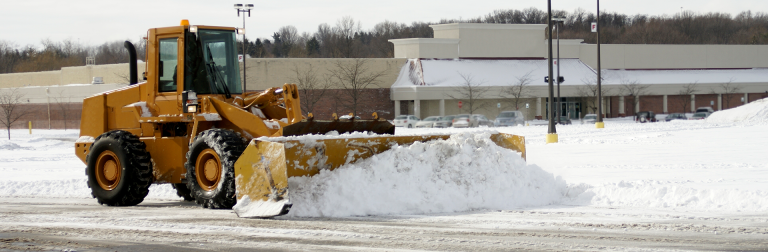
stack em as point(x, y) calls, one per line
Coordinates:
point(211, 168)
point(119, 169)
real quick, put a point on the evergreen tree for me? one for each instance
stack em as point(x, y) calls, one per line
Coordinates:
point(258, 49)
point(313, 47)
point(277, 50)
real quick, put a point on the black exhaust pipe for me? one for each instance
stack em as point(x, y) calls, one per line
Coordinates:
point(132, 62)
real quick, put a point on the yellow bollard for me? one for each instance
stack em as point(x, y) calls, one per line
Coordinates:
point(599, 125)
point(30, 127)
point(552, 138)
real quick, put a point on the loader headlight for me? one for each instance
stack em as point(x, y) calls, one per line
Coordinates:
point(240, 31)
point(193, 29)
point(189, 101)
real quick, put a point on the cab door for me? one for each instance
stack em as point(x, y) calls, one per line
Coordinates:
point(170, 72)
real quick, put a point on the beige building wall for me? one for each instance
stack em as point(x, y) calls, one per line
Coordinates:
point(626, 56)
point(493, 40)
point(528, 41)
point(427, 47)
point(30, 79)
point(111, 74)
point(264, 73)
point(63, 94)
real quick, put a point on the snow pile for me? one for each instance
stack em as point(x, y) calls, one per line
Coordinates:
point(44, 165)
point(5, 145)
point(753, 112)
point(657, 194)
point(467, 171)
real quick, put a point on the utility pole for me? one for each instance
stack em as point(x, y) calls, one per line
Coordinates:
point(552, 132)
point(244, 8)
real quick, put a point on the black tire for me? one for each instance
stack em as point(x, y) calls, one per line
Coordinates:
point(183, 191)
point(214, 188)
point(119, 169)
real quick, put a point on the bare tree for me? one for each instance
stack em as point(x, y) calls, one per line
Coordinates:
point(589, 92)
point(289, 37)
point(10, 110)
point(728, 88)
point(634, 89)
point(344, 37)
point(471, 91)
point(354, 76)
point(312, 86)
point(685, 92)
point(519, 89)
point(62, 102)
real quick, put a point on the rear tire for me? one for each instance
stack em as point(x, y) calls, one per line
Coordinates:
point(211, 168)
point(183, 191)
point(119, 169)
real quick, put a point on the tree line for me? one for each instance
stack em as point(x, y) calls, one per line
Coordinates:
point(347, 39)
point(55, 55)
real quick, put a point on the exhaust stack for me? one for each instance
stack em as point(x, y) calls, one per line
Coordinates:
point(132, 62)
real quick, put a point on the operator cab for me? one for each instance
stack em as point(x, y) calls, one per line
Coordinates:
point(205, 56)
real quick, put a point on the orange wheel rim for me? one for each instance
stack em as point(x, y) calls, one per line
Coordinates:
point(108, 170)
point(208, 169)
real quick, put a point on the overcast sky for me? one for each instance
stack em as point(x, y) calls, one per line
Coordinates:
point(95, 22)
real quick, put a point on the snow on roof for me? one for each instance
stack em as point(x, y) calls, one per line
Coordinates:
point(488, 72)
point(502, 72)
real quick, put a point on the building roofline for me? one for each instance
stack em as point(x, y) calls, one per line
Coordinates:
point(439, 27)
point(410, 41)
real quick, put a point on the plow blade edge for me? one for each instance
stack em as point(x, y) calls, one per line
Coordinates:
point(342, 126)
point(263, 170)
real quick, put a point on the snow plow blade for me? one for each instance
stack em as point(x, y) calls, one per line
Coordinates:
point(263, 170)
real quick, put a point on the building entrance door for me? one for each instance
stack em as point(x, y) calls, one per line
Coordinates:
point(570, 107)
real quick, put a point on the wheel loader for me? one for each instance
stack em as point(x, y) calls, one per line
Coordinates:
point(191, 123)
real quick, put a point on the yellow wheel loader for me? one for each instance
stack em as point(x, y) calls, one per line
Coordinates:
point(191, 124)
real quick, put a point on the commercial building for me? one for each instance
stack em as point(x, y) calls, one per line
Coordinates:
point(490, 59)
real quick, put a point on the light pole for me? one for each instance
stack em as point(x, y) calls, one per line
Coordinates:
point(244, 8)
point(552, 131)
point(48, 98)
point(558, 20)
point(599, 124)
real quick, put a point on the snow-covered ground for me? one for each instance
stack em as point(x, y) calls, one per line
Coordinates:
point(714, 167)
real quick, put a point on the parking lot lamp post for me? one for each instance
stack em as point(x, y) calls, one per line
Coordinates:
point(558, 20)
point(244, 8)
point(552, 131)
point(599, 123)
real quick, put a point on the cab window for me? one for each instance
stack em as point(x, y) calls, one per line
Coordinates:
point(169, 50)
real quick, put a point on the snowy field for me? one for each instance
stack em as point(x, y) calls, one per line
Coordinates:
point(679, 172)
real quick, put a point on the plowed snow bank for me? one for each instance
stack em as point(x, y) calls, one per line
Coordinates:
point(753, 112)
point(467, 171)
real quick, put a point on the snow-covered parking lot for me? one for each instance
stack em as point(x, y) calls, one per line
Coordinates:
point(680, 185)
